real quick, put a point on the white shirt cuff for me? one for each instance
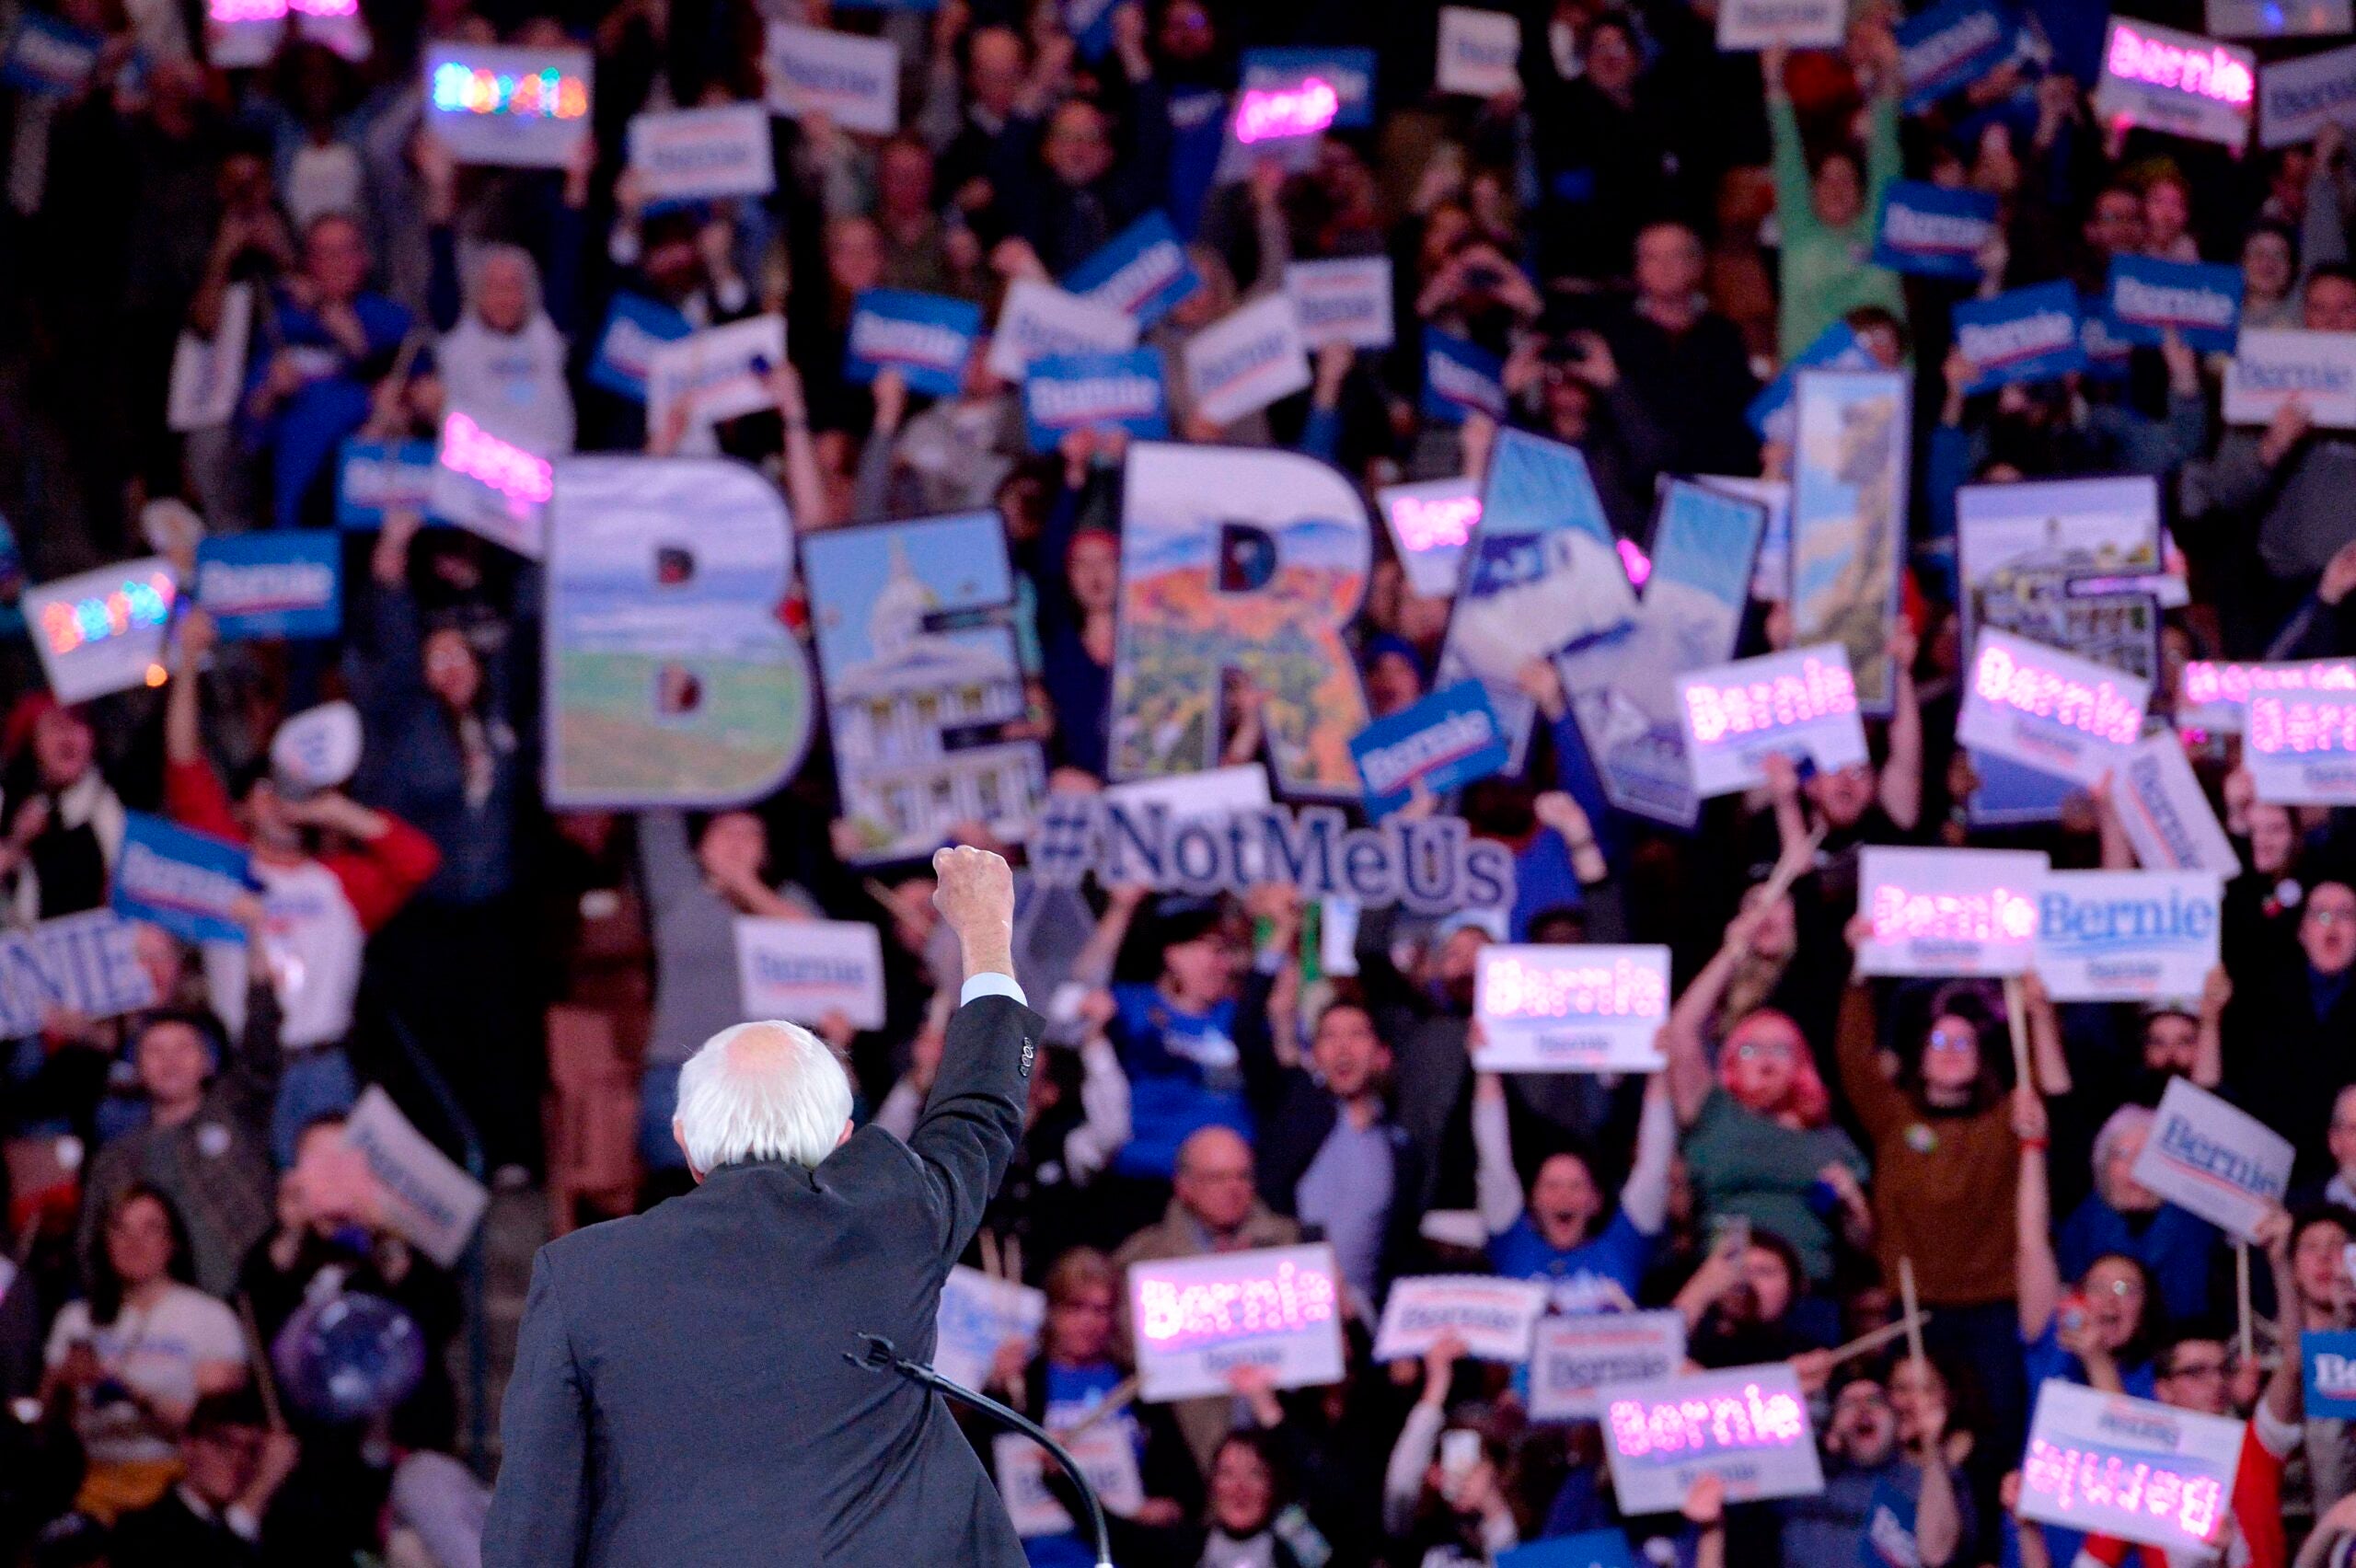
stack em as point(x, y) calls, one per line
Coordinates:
point(987, 985)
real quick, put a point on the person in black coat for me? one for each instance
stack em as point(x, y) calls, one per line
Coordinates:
point(681, 1391)
point(2294, 1006)
point(214, 1517)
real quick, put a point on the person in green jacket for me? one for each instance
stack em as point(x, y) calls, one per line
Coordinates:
point(1828, 216)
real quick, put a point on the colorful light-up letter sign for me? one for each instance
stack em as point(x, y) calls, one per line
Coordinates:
point(542, 94)
point(141, 601)
point(2213, 73)
point(1269, 114)
point(1949, 911)
point(2048, 709)
point(1279, 1308)
point(527, 481)
point(1570, 1008)
point(1819, 688)
point(1434, 522)
point(1177, 1316)
point(2098, 709)
point(1748, 1425)
point(2128, 1468)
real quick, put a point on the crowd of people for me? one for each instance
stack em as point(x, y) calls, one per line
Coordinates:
point(1643, 232)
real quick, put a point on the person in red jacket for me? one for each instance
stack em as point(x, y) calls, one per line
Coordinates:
point(318, 906)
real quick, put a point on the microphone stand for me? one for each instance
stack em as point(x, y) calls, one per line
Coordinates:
point(881, 1356)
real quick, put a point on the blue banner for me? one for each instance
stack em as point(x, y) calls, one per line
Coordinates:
point(1888, 1540)
point(2327, 1367)
point(46, 56)
point(375, 477)
point(1932, 231)
point(187, 883)
point(927, 338)
point(1951, 46)
point(1142, 271)
point(1349, 72)
point(1067, 392)
point(286, 582)
point(1461, 377)
point(635, 328)
point(2106, 353)
point(1444, 742)
point(1836, 348)
point(1588, 1549)
point(2026, 335)
point(2203, 301)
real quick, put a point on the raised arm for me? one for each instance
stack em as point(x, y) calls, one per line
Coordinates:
point(1093, 963)
point(1901, 789)
point(2280, 1408)
point(1495, 1188)
point(2209, 1044)
point(2047, 1059)
point(1689, 1074)
point(1643, 1196)
point(2038, 1276)
point(1881, 1106)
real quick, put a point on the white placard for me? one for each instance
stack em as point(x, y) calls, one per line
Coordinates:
point(1747, 25)
point(1430, 522)
point(1492, 1316)
point(429, 1200)
point(1571, 1358)
point(1105, 1457)
point(2278, 18)
point(1480, 51)
point(853, 81)
point(1949, 911)
point(2048, 709)
point(2127, 935)
point(2184, 1461)
point(2164, 814)
point(1748, 1425)
point(2297, 98)
point(1570, 1009)
point(1247, 359)
point(693, 153)
point(507, 105)
point(102, 630)
point(979, 1313)
point(2272, 364)
point(717, 370)
point(1802, 703)
point(2300, 746)
point(2177, 82)
point(2216, 1160)
point(1193, 797)
point(209, 373)
point(1039, 319)
point(1343, 301)
point(803, 970)
point(1279, 1308)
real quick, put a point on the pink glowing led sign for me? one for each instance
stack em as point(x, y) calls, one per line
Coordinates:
point(1269, 114)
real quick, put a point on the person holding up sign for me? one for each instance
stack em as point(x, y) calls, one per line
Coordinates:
point(1828, 212)
point(1557, 1231)
point(1440, 1491)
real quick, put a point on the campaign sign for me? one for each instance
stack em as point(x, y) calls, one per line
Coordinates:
point(2300, 748)
point(1196, 1319)
point(2297, 98)
point(2133, 1470)
point(1771, 573)
point(2165, 815)
point(1106, 1454)
point(1582, 1009)
point(2051, 710)
point(2271, 365)
point(1039, 319)
point(1143, 271)
point(1443, 742)
point(1068, 392)
point(1952, 45)
point(1573, 1357)
point(635, 328)
point(2108, 355)
point(1430, 522)
point(722, 371)
point(1460, 378)
point(1949, 911)
point(926, 338)
point(2201, 300)
point(1747, 26)
point(853, 81)
point(2028, 334)
point(429, 1200)
point(1349, 72)
point(1492, 1316)
point(498, 104)
point(1747, 1426)
point(2328, 1368)
point(1480, 51)
point(2177, 82)
point(2213, 693)
point(374, 476)
point(803, 970)
point(286, 582)
point(2278, 18)
point(47, 57)
point(1932, 231)
point(2127, 935)
point(693, 154)
point(102, 630)
point(490, 487)
point(87, 964)
point(2213, 1158)
point(1588, 1549)
point(1247, 359)
point(1836, 348)
point(1799, 703)
point(1343, 301)
point(188, 883)
point(979, 1313)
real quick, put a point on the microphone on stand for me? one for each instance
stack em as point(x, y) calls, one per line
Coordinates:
point(880, 1356)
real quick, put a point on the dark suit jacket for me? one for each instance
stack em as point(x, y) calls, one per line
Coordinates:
point(680, 1395)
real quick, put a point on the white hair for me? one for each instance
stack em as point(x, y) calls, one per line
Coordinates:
point(762, 1090)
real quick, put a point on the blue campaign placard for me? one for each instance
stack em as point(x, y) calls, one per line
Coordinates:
point(927, 338)
point(1349, 72)
point(2327, 1367)
point(2107, 353)
point(1951, 46)
point(1461, 377)
point(283, 583)
point(1444, 742)
point(1932, 231)
point(2028, 334)
point(1068, 392)
point(1143, 271)
point(1588, 1549)
point(377, 477)
point(1836, 348)
point(187, 883)
point(2200, 300)
point(635, 328)
point(46, 56)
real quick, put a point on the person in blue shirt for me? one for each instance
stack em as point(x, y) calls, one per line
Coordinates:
point(1558, 1231)
point(1176, 1036)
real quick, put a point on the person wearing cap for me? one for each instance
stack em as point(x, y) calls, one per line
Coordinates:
point(318, 909)
point(61, 825)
